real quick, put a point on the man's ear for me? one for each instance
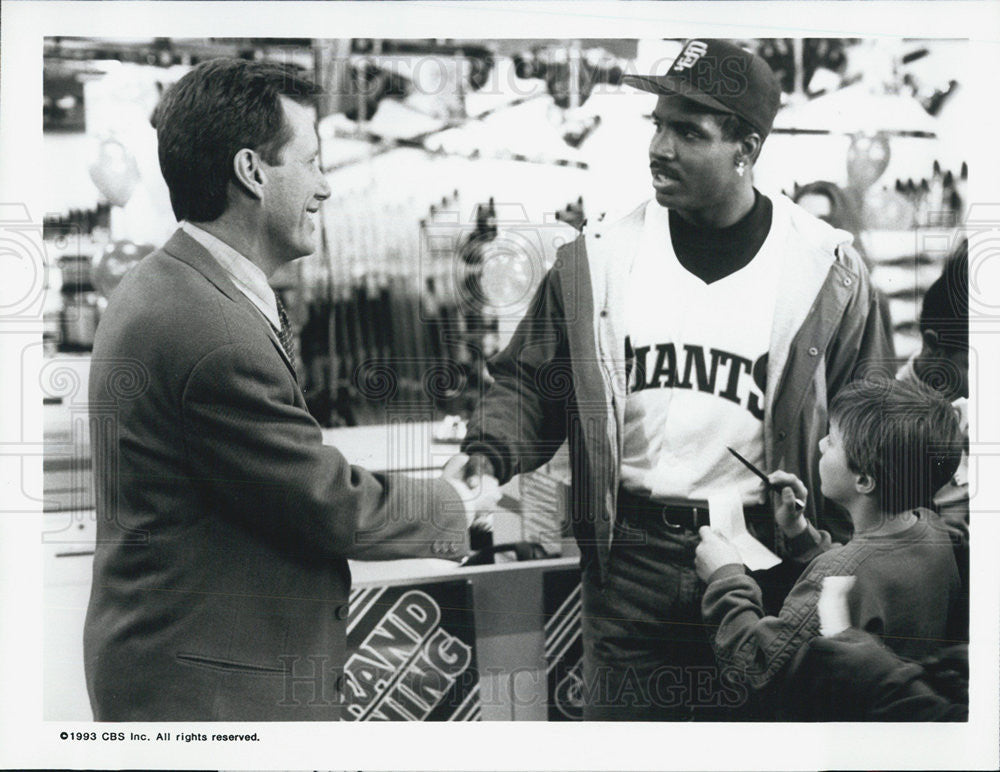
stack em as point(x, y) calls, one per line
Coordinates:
point(750, 147)
point(864, 484)
point(249, 172)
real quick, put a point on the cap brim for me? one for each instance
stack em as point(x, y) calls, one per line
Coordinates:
point(666, 84)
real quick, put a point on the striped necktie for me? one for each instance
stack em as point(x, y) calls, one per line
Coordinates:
point(285, 336)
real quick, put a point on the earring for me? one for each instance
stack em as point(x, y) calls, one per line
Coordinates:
point(741, 167)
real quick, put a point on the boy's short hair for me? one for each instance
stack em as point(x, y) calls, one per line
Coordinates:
point(215, 110)
point(945, 308)
point(905, 435)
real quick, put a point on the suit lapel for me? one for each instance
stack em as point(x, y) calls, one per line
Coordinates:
point(275, 341)
point(277, 345)
point(186, 249)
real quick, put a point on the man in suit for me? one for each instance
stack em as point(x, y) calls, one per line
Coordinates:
point(220, 586)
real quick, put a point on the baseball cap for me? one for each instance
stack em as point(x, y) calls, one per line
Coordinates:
point(721, 76)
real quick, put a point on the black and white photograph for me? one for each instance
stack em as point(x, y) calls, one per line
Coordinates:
point(565, 386)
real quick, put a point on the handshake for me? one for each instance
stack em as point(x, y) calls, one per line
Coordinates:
point(473, 478)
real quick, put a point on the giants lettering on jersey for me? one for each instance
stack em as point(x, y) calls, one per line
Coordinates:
point(722, 373)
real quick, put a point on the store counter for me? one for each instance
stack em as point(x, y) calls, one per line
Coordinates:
point(495, 643)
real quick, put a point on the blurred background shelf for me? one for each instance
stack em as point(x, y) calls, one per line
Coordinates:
point(458, 167)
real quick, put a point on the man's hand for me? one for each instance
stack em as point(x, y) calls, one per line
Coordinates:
point(788, 516)
point(714, 552)
point(465, 468)
point(473, 479)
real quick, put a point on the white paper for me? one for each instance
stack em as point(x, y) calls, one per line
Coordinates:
point(834, 616)
point(725, 515)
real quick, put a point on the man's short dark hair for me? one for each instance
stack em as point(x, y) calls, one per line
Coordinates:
point(945, 308)
point(215, 110)
point(735, 129)
point(905, 435)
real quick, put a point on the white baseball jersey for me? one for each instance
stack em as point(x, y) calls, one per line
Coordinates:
point(699, 374)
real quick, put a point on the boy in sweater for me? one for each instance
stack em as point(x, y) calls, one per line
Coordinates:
point(891, 446)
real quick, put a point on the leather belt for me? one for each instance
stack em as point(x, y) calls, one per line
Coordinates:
point(690, 514)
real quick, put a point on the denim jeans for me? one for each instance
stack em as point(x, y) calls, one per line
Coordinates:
point(646, 653)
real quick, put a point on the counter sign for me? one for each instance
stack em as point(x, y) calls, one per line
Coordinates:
point(562, 602)
point(408, 660)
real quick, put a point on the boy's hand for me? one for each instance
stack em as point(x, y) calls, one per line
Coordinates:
point(714, 552)
point(788, 516)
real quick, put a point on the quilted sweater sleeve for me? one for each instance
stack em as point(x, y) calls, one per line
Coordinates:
point(755, 646)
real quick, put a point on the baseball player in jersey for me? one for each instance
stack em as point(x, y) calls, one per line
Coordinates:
point(710, 317)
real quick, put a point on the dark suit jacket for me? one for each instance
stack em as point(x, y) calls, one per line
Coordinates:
point(220, 580)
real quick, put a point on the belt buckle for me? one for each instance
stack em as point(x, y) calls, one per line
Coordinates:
point(694, 518)
point(691, 512)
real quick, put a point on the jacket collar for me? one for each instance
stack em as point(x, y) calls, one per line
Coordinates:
point(242, 271)
point(186, 249)
point(189, 251)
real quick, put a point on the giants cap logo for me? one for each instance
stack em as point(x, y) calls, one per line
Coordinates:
point(692, 52)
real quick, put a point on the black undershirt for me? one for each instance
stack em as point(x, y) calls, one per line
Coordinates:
point(715, 253)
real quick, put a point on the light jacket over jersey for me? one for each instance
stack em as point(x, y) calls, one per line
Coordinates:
point(563, 375)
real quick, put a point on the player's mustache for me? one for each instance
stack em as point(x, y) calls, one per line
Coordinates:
point(659, 166)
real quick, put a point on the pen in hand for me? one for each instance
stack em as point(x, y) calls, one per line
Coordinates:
point(768, 485)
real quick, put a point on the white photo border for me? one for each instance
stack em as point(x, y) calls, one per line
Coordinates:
point(28, 741)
